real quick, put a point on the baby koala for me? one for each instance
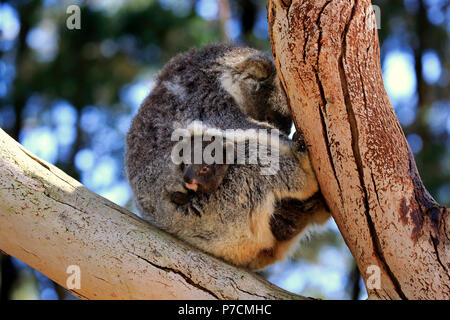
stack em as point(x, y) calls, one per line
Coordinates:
point(203, 178)
point(200, 177)
point(206, 178)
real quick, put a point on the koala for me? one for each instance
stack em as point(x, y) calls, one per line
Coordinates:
point(246, 218)
point(200, 177)
point(204, 178)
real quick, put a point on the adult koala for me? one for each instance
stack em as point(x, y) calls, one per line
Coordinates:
point(251, 220)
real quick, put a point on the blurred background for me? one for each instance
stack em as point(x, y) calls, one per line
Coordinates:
point(69, 96)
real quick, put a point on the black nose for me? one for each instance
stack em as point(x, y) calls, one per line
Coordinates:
point(188, 176)
point(187, 179)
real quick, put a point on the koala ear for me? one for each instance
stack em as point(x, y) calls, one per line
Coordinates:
point(256, 67)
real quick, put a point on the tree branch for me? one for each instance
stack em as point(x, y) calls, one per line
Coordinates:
point(327, 56)
point(50, 221)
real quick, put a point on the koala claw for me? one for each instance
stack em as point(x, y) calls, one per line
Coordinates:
point(298, 144)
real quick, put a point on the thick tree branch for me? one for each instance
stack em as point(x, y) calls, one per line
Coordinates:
point(327, 56)
point(50, 221)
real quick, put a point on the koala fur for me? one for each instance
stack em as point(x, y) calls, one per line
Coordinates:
point(251, 220)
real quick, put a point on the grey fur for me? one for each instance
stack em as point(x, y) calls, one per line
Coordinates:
point(233, 222)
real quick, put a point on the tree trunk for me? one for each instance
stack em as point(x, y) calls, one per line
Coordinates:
point(327, 56)
point(50, 222)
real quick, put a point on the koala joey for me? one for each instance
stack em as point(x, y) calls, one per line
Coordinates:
point(204, 178)
point(238, 214)
point(200, 177)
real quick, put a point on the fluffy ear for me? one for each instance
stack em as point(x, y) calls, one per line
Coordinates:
point(258, 67)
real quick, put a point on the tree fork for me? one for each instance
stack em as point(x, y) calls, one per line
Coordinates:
point(328, 60)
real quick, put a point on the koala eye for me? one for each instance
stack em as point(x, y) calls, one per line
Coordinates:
point(182, 166)
point(204, 170)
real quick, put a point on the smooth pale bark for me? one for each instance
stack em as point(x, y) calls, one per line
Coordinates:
point(327, 56)
point(50, 221)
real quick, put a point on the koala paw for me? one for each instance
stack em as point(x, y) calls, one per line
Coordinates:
point(178, 194)
point(180, 198)
point(298, 143)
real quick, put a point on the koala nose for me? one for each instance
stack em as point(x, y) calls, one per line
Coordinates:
point(189, 180)
point(188, 176)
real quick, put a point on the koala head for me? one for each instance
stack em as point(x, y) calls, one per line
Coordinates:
point(201, 81)
point(250, 77)
point(204, 176)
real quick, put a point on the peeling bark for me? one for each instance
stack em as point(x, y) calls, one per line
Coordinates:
point(50, 221)
point(327, 56)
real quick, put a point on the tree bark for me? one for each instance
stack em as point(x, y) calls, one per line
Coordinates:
point(327, 56)
point(50, 221)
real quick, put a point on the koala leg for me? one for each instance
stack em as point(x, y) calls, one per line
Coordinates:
point(269, 256)
point(290, 218)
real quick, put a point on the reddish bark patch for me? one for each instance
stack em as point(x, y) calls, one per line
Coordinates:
point(420, 206)
point(417, 221)
point(425, 206)
point(413, 208)
point(403, 212)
